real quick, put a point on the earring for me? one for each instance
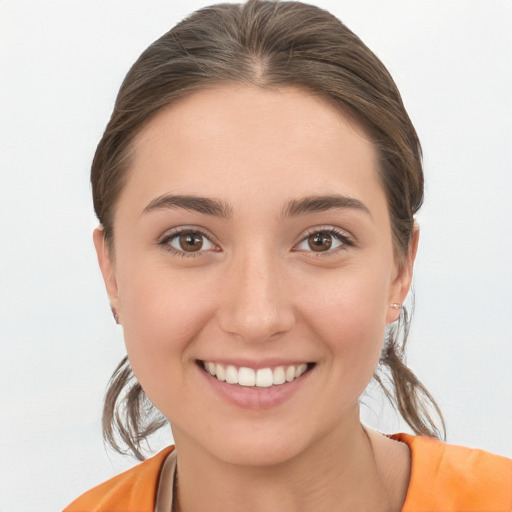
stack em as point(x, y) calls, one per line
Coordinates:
point(395, 306)
point(114, 314)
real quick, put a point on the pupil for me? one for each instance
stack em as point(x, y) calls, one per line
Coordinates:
point(190, 242)
point(320, 242)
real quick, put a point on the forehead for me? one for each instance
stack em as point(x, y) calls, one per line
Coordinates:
point(242, 140)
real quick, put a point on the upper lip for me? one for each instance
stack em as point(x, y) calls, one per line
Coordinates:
point(256, 364)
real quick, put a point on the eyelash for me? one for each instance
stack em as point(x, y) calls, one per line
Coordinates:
point(337, 234)
point(165, 241)
point(341, 236)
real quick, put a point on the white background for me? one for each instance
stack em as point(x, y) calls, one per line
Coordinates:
point(61, 64)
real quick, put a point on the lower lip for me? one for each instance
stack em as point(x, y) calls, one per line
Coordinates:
point(254, 397)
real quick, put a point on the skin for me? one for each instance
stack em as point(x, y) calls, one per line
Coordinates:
point(256, 291)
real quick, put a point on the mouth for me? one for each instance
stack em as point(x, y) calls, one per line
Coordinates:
point(255, 378)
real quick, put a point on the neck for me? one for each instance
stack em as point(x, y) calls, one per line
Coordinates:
point(347, 471)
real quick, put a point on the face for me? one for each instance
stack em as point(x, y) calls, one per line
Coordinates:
point(253, 242)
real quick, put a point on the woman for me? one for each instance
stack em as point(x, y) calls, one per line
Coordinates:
point(256, 188)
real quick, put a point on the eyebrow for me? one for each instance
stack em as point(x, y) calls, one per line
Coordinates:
point(216, 208)
point(193, 203)
point(312, 204)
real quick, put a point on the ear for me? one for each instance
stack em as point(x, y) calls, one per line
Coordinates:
point(402, 282)
point(104, 254)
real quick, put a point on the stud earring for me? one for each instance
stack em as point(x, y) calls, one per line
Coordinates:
point(395, 306)
point(114, 314)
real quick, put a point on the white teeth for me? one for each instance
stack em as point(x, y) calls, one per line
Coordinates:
point(290, 373)
point(231, 375)
point(264, 378)
point(300, 370)
point(279, 376)
point(220, 373)
point(248, 377)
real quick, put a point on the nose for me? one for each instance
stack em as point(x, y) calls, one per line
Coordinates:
point(256, 305)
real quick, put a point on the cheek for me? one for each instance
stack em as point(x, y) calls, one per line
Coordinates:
point(161, 317)
point(351, 320)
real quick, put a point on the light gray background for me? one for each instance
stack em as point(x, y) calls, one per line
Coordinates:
point(61, 64)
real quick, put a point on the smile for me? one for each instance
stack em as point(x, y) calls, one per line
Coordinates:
point(249, 377)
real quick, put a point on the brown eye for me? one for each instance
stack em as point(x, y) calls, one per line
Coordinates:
point(324, 241)
point(190, 242)
point(320, 241)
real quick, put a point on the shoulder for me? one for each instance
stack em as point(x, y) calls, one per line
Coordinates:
point(131, 491)
point(450, 478)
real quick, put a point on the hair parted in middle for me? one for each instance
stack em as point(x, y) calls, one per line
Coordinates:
point(268, 44)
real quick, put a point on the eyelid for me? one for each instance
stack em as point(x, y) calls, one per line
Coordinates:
point(346, 238)
point(341, 234)
point(175, 232)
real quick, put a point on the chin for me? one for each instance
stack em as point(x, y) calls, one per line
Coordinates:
point(256, 452)
point(244, 444)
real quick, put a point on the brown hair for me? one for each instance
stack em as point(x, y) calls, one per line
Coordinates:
point(268, 44)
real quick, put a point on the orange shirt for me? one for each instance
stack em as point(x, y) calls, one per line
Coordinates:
point(444, 478)
point(448, 478)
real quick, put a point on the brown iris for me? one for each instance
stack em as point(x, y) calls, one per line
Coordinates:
point(191, 242)
point(320, 241)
